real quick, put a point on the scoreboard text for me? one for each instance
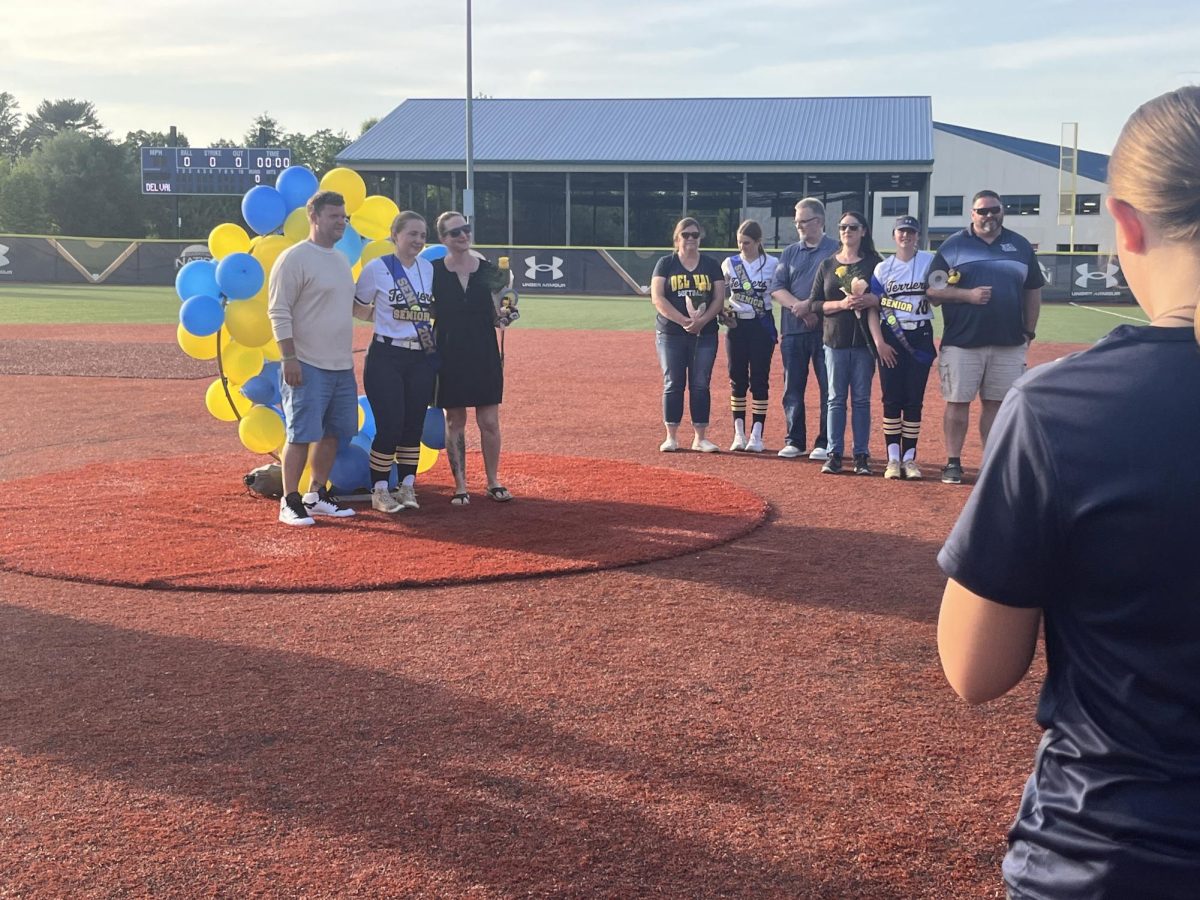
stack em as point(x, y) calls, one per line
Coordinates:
point(213, 170)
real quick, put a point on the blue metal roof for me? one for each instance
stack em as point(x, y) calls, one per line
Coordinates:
point(757, 130)
point(1091, 165)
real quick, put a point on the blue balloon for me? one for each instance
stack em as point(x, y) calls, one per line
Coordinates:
point(351, 470)
point(240, 276)
point(351, 244)
point(197, 277)
point(368, 425)
point(262, 389)
point(264, 209)
point(433, 251)
point(296, 184)
point(202, 315)
point(434, 434)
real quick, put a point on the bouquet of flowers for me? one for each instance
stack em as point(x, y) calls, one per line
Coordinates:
point(851, 282)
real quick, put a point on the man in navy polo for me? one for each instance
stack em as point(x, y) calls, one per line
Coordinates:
point(989, 284)
point(800, 343)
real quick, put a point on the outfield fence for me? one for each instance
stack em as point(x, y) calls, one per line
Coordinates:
point(574, 271)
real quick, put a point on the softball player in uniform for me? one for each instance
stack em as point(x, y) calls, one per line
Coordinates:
point(395, 292)
point(751, 337)
point(906, 320)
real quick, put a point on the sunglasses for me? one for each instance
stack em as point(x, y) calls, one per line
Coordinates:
point(804, 223)
point(849, 227)
point(988, 210)
point(457, 232)
point(690, 235)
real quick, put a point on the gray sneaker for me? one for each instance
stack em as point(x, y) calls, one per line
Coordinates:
point(382, 500)
point(833, 464)
point(952, 473)
point(406, 494)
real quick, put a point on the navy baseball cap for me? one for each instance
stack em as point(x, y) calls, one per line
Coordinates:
point(907, 222)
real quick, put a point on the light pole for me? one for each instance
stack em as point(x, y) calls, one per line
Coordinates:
point(469, 191)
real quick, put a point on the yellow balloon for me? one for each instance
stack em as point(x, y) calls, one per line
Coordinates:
point(248, 323)
point(261, 430)
point(228, 238)
point(270, 351)
point(196, 347)
point(219, 404)
point(295, 226)
point(373, 219)
point(349, 184)
point(426, 460)
point(268, 248)
point(362, 416)
point(240, 363)
point(376, 249)
point(356, 270)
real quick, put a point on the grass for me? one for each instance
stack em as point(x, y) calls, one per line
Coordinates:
point(102, 304)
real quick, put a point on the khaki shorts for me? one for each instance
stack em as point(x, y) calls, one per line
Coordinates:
point(986, 372)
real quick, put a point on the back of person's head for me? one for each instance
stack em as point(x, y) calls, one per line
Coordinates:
point(1155, 167)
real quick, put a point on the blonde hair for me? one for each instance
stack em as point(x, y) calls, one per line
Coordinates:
point(446, 217)
point(1155, 166)
point(403, 219)
point(686, 222)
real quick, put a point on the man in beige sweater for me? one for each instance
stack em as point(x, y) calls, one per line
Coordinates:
point(311, 310)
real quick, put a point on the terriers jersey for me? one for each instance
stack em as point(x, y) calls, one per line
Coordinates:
point(750, 298)
point(394, 317)
point(901, 286)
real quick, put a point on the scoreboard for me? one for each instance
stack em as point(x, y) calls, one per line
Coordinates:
point(213, 170)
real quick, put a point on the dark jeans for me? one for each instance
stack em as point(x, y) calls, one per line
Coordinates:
point(799, 351)
point(903, 385)
point(750, 347)
point(399, 384)
point(687, 362)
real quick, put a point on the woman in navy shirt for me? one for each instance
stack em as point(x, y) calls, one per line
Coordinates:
point(1085, 518)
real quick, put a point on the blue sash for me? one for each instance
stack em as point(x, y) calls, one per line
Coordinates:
point(412, 310)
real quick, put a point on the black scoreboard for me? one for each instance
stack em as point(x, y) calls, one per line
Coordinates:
point(212, 170)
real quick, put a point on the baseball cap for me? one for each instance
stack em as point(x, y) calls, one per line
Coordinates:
point(907, 222)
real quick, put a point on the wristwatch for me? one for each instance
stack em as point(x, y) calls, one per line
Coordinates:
point(1030, 335)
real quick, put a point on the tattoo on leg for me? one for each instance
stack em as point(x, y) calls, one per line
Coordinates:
point(456, 455)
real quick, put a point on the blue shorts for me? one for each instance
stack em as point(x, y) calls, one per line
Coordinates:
point(326, 404)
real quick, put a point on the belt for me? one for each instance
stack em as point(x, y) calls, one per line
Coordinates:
point(913, 326)
point(402, 343)
point(747, 315)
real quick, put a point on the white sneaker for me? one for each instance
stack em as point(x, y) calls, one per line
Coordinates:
point(892, 470)
point(912, 471)
point(754, 444)
point(790, 451)
point(704, 445)
point(382, 500)
point(326, 505)
point(670, 445)
point(407, 495)
point(819, 454)
point(739, 443)
point(294, 513)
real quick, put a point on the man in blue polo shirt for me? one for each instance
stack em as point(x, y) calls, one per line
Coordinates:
point(989, 284)
point(800, 328)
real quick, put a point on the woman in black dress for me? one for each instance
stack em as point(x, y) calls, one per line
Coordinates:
point(466, 298)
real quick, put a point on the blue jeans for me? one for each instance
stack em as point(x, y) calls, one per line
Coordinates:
point(687, 362)
point(850, 372)
point(797, 351)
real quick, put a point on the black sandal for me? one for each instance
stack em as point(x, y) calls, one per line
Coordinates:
point(463, 499)
point(499, 493)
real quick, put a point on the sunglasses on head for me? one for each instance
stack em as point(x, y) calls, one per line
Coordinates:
point(988, 210)
point(457, 232)
point(853, 226)
point(690, 235)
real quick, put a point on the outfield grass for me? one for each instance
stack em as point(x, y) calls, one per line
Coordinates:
point(99, 304)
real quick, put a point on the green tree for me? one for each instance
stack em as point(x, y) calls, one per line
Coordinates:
point(10, 126)
point(23, 203)
point(367, 125)
point(264, 132)
point(54, 117)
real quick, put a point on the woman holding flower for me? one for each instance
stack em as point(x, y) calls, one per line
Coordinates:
point(851, 318)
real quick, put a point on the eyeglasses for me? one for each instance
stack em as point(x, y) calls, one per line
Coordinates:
point(851, 227)
point(804, 223)
point(690, 235)
point(988, 210)
point(457, 232)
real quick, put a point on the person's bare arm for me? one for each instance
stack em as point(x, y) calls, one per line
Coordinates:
point(985, 647)
point(1031, 301)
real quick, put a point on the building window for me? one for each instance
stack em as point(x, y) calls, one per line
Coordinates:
point(890, 207)
point(1023, 205)
point(597, 210)
point(948, 205)
point(539, 209)
point(715, 201)
point(655, 205)
point(1079, 248)
point(1087, 204)
point(491, 208)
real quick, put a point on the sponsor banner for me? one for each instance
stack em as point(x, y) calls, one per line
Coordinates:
point(564, 271)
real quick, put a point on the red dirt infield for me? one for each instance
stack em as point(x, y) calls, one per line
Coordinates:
point(762, 718)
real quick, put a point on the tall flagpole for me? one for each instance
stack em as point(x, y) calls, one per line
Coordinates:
point(469, 192)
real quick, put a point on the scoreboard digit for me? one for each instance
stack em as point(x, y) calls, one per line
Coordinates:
point(210, 170)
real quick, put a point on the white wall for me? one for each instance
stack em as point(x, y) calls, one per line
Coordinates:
point(962, 167)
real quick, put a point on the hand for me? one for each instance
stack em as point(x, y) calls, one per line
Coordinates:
point(887, 354)
point(292, 376)
point(801, 308)
point(978, 296)
point(693, 326)
point(811, 320)
point(856, 302)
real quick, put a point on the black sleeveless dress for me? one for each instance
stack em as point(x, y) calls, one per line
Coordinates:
point(470, 372)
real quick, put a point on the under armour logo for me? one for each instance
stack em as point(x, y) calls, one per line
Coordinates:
point(1047, 275)
point(554, 268)
point(1108, 275)
point(3, 255)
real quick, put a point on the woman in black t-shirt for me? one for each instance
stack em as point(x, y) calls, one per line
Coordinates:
point(688, 291)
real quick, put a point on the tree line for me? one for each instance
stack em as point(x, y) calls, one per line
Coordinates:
point(63, 173)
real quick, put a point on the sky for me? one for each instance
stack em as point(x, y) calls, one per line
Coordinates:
point(1015, 67)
